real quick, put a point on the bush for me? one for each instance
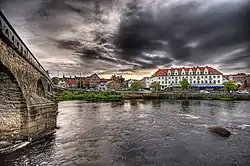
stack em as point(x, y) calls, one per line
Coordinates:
point(90, 96)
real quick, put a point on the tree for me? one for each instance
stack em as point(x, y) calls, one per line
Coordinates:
point(80, 85)
point(155, 86)
point(55, 80)
point(184, 84)
point(135, 86)
point(230, 86)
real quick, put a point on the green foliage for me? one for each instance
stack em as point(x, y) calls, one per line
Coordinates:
point(135, 86)
point(184, 84)
point(230, 86)
point(55, 80)
point(80, 85)
point(90, 96)
point(155, 86)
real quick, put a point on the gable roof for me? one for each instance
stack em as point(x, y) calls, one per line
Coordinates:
point(164, 72)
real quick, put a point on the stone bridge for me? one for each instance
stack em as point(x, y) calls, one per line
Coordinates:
point(27, 105)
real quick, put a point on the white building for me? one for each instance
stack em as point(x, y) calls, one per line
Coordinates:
point(62, 83)
point(103, 86)
point(200, 77)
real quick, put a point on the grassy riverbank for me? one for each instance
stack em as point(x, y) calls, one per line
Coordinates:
point(90, 96)
point(115, 96)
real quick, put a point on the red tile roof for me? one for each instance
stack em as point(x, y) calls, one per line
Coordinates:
point(71, 82)
point(162, 72)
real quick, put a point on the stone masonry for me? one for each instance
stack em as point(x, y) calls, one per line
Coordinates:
point(26, 105)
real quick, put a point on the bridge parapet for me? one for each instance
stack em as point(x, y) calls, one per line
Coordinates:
point(10, 35)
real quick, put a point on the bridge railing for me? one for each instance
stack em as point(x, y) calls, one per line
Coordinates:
point(13, 38)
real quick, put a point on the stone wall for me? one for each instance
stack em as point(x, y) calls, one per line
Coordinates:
point(12, 106)
point(27, 105)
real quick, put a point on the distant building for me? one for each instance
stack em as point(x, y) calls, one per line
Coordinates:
point(198, 77)
point(71, 83)
point(130, 82)
point(62, 83)
point(239, 79)
point(103, 85)
point(144, 82)
point(246, 84)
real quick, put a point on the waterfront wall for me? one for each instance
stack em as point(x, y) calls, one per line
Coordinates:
point(186, 96)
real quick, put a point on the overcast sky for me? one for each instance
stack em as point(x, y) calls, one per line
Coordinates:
point(133, 37)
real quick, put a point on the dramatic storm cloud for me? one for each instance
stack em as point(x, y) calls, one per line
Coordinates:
point(133, 37)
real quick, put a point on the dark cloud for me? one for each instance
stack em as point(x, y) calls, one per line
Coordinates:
point(129, 35)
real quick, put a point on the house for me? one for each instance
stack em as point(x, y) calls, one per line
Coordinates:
point(239, 79)
point(198, 77)
point(246, 84)
point(103, 85)
point(62, 83)
point(130, 82)
point(71, 83)
point(144, 82)
point(114, 85)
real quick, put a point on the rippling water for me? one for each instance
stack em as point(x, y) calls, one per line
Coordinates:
point(144, 133)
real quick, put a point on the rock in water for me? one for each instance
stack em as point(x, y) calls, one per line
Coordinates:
point(219, 130)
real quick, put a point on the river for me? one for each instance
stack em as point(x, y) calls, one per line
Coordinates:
point(143, 133)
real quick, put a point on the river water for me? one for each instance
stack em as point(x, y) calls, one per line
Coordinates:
point(141, 133)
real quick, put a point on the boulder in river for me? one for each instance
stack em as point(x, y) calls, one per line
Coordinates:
point(219, 130)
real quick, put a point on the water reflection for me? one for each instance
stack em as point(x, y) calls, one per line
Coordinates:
point(142, 133)
point(185, 106)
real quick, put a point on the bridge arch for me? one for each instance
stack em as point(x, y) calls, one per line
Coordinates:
point(13, 106)
point(40, 88)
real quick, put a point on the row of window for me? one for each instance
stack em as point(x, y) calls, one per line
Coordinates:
point(194, 82)
point(190, 77)
point(189, 73)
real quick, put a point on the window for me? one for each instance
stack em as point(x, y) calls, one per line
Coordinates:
point(202, 82)
point(194, 82)
point(198, 82)
point(214, 82)
point(214, 76)
point(205, 76)
point(210, 82)
point(194, 76)
point(218, 81)
point(21, 49)
point(201, 76)
point(162, 82)
point(206, 81)
point(210, 76)
point(13, 38)
point(218, 76)
point(17, 43)
point(169, 82)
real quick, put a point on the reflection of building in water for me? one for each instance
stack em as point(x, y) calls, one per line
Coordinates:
point(198, 77)
point(185, 106)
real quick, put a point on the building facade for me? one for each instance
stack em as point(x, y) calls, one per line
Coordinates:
point(199, 77)
point(239, 79)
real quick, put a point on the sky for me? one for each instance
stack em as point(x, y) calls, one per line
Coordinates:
point(133, 37)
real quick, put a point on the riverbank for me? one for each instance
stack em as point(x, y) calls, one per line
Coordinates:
point(119, 96)
point(89, 96)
